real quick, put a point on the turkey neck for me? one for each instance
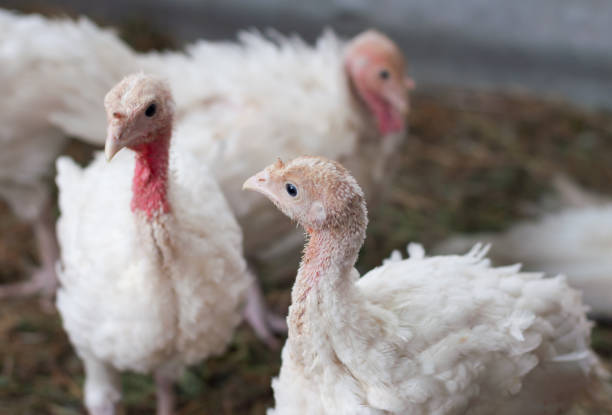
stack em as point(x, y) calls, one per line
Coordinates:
point(150, 182)
point(325, 282)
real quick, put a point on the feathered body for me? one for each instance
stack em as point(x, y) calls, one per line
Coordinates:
point(45, 66)
point(138, 295)
point(424, 335)
point(439, 335)
point(575, 241)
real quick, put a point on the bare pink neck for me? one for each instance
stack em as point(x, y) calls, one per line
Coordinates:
point(327, 252)
point(150, 182)
point(316, 261)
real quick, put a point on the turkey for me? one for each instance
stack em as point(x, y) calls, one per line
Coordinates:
point(44, 66)
point(576, 240)
point(152, 276)
point(424, 335)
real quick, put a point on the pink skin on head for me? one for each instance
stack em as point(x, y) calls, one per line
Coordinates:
point(140, 110)
point(388, 119)
point(328, 205)
point(376, 68)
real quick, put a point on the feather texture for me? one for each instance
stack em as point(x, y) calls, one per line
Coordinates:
point(148, 297)
point(575, 241)
point(45, 66)
point(443, 335)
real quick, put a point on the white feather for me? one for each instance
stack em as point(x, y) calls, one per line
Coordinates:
point(144, 297)
point(576, 242)
point(440, 335)
point(51, 71)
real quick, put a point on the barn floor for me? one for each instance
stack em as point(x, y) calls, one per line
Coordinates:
point(474, 161)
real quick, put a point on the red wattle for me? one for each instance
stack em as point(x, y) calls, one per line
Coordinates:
point(150, 182)
point(389, 120)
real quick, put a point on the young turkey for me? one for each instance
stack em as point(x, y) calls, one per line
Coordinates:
point(576, 240)
point(152, 276)
point(425, 335)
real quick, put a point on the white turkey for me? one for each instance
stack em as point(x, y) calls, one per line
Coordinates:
point(152, 276)
point(576, 240)
point(425, 335)
point(49, 70)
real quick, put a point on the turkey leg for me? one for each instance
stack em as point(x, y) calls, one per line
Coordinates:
point(165, 394)
point(263, 322)
point(43, 280)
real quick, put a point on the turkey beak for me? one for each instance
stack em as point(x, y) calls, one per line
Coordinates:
point(260, 183)
point(113, 141)
point(397, 96)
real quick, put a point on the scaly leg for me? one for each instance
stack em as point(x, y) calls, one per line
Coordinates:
point(44, 279)
point(263, 322)
point(165, 394)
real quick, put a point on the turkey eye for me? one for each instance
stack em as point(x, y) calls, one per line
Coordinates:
point(291, 189)
point(150, 111)
point(384, 74)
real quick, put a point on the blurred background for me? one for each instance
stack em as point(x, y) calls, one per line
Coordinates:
point(509, 94)
point(555, 47)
